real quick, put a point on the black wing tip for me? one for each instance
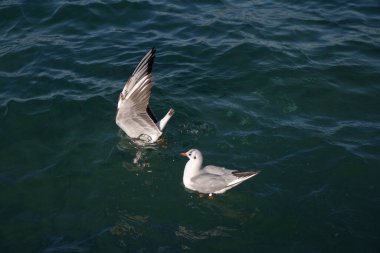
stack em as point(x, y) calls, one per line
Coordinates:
point(151, 59)
point(245, 173)
point(147, 61)
point(153, 51)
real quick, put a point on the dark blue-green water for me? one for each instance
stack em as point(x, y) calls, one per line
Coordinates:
point(290, 88)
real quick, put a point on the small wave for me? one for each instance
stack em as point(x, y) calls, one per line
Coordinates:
point(189, 234)
point(129, 224)
point(60, 244)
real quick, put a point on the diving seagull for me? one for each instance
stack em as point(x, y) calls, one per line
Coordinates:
point(210, 179)
point(134, 115)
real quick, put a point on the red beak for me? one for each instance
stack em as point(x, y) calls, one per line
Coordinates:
point(183, 154)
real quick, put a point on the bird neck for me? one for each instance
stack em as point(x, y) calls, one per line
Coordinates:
point(192, 169)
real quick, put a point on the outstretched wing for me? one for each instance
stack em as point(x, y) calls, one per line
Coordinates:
point(132, 115)
point(143, 69)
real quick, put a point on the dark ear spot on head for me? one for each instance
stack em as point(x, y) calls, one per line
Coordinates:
point(195, 157)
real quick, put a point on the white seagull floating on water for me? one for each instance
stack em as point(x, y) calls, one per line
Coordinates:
point(134, 115)
point(211, 179)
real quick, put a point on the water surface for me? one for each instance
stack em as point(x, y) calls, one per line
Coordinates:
point(288, 88)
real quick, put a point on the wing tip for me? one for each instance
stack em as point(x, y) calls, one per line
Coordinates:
point(246, 173)
point(152, 57)
point(152, 53)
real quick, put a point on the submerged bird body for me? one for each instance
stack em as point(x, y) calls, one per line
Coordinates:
point(210, 179)
point(134, 115)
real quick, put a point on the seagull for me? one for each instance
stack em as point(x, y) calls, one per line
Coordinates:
point(134, 115)
point(211, 179)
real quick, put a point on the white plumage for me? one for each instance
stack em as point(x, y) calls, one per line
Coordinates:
point(210, 179)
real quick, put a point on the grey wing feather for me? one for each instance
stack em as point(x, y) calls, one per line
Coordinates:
point(217, 170)
point(208, 183)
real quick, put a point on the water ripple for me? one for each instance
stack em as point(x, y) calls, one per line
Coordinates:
point(287, 88)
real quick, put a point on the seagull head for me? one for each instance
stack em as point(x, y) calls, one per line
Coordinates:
point(193, 155)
